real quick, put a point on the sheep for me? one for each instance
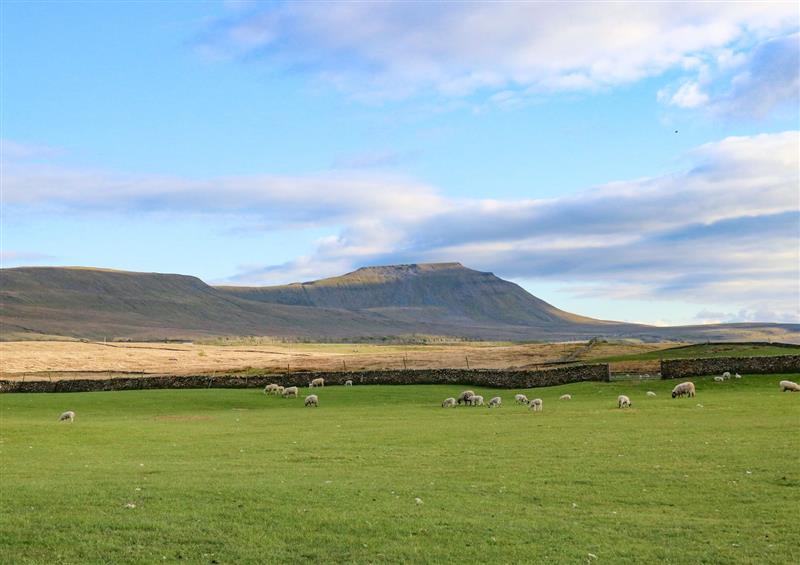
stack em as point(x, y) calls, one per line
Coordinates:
point(448, 402)
point(465, 397)
point(316, 382)
point(719, 379)
point(726, 375)
point(785, 386)
point(536, 404)
point(311, 400)
point(271, 389)
point(496, 401)
point(69, 416)
point(565, 397)
point(521, 399)
point(623, 401)
point(290, 391)
point(279, 390)
point(651, 393)
point(476, 400)
point(738, 376)
point(683, 388)
point(348, 383)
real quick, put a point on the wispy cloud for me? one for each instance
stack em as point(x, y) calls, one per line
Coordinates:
point(506, 50)
point(9, 258)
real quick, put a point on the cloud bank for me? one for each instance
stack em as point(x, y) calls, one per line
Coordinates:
point(512, 50)
point(725, 229)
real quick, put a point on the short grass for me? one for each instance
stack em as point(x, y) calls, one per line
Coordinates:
point(232, 476)
point(706, 350)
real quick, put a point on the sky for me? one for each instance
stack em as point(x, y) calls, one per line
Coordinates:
point(635, 162)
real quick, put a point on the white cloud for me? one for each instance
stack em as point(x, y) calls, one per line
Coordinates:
point(399, 49)
point(688, 95)
point(745, 84)
point(277, 201)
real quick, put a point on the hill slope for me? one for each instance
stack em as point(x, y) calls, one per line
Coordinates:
point(439, 299)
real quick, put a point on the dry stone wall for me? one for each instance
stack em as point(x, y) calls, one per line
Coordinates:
point(680, 368)
point(477, 377)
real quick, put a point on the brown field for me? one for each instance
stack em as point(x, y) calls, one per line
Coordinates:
point(72, 359)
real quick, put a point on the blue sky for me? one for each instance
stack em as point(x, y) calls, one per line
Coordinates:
point(261, 143)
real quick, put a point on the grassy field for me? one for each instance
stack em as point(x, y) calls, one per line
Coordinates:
point(704, 350)
point(232, 476)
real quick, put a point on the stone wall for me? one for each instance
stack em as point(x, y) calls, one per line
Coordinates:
point(477, 377)
point(680, 368)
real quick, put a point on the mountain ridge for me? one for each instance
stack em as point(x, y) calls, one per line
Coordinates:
point(445, 299)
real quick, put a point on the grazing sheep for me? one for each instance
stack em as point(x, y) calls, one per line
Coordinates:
point(719, 379)
point(565, 397)
point(726, 375)
point(279, 390)
point(650, 393)
point(271, 389)
point(686, 388)
point(290, 391)
point(738, 376)
point(521, 399)
point(311, 400)
point(476, 400)
point(348, 383)
point(69, 416)
point(316, 382)
point(448, 402)
point(785, 386)
point(536, 404)
point(496, 401)
point(465, 397)
point(623, 401)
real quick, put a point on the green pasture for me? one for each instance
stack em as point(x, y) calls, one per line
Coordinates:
point(382, 474)
point(706, 350)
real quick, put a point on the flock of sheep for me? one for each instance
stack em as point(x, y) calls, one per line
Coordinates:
point(469, 398)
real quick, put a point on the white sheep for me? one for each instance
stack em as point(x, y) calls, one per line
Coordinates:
point(448, 402)
point(290, 391)
point(279, 390)
point(738, 376)
point(271, 388)
point(311, 400)
point(476, 400)
point(348, 383)
point(686, 388)
point(726, 375)
point(565, 397)
point(789, 386)
point(536, 404)
point(623, 401)
point(69, 416)
point(465, 397)
point(651, 393)
point(495, 401)
point(520, 399)
point(317, 382)
point(719, 379)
